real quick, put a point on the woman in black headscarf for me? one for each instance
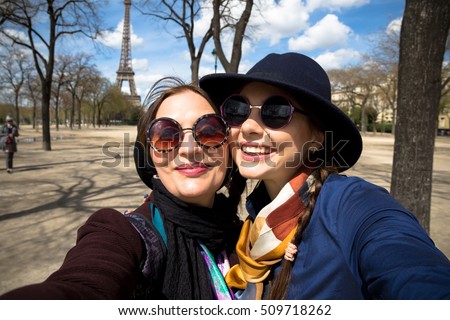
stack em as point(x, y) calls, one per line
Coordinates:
point(178, 244)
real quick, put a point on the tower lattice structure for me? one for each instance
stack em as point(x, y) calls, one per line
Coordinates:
point(125, 71)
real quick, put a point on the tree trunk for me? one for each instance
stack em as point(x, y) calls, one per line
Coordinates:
point(57, 112)
point(99, 115)
point(34, 114)
point(46, 140)
point(17, 109)
point(79, 114)
point(195, 65)
point(419, 80)
point(363, 119)
point(72, 112)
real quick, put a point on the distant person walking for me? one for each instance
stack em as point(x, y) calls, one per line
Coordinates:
point(8, 141)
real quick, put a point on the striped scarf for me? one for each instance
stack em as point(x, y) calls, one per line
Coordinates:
point(262, 242)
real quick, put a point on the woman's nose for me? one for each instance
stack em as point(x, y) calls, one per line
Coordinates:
point(188, 146)
point(253, 124)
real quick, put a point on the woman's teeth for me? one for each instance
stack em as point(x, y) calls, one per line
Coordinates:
point(256, 150)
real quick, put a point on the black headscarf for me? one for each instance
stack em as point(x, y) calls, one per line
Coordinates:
point(186, 275)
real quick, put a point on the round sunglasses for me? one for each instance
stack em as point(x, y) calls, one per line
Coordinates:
point(166, 134)
point(276, 111)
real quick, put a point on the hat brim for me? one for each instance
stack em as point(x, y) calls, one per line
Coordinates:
point(341, 134)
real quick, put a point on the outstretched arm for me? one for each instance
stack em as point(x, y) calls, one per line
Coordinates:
point(104, 263)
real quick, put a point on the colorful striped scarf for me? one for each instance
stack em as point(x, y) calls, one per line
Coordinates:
point(262, 242)
point(218, 285)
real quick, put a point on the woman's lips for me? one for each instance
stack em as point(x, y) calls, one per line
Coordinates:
point(192, 169)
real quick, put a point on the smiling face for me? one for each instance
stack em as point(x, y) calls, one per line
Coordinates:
point(273, 155)
point(191, 173)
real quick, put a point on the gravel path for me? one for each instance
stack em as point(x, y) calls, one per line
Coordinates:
point(50, 194)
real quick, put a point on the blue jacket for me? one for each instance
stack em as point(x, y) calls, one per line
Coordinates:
point(362, 244)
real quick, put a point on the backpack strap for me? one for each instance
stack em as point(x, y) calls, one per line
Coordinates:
point(151, 229)
point(158, 222)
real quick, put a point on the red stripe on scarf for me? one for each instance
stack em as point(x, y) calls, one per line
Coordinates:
point(284, 218)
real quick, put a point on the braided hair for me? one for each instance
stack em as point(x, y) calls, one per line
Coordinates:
point(281, 282)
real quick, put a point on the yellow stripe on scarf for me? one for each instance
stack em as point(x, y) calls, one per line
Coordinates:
point(249, 270)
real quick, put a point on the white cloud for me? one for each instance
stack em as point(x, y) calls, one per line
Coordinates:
point(275, 20)
point(113, 39)
point(328, 32)
point(144, 81)
point(394, 26)
point(140, 64)
point(245, 65)
point(21, 37)
point(209, 70)
point(338, 59)
point(15, 34)
point(208, 57)
point(334, 5)
point(202, 24)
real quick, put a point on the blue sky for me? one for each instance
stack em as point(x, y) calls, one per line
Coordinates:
point(334, 32)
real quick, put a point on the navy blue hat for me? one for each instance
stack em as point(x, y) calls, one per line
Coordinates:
point(305, 79)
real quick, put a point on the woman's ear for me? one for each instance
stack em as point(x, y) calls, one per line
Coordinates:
point(315, 151)
point(318, 136)
point(316, 142)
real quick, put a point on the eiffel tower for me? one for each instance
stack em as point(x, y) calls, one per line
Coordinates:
point(125, 71)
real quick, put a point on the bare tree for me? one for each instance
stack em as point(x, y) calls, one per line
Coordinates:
point(383, 60)
point(423, 36)
point(38, 25)
point(15, 65)
point(32, 93)
point(5, 11)
point(184, 14)
point(77, 70)
point(60, 80)
point(222, 12)
point(355, 88)
point(384, 85)
point(97, 96)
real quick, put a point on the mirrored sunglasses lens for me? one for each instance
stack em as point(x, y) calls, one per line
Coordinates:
point(276, 112)
point(211, 132)
point(235, 110)
point(164, 135)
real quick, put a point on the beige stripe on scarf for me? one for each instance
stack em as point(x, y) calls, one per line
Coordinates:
point(262, 243)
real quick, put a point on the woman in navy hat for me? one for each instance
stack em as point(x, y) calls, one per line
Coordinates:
point(313, 233)
point(8, 141)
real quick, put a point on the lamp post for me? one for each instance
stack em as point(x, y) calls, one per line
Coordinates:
point(214, 53)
